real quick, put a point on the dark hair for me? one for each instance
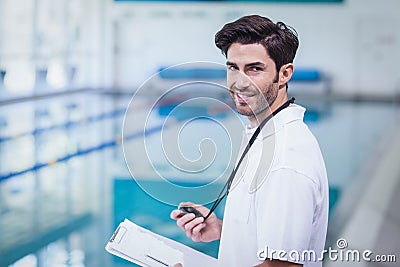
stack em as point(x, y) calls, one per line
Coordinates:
point(280, 40)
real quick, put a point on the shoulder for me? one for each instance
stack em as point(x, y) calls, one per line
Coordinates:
point(297, 149)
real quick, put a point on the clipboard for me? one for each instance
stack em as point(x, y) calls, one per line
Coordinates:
point(145, 248)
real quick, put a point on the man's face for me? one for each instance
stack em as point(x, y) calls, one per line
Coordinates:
point(251, 78)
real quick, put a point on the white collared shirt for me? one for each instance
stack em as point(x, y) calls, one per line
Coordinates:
point(278, 203)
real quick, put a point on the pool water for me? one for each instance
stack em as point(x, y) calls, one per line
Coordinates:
point(65, 186)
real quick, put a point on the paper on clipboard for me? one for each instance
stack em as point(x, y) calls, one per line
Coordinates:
point(145, 248)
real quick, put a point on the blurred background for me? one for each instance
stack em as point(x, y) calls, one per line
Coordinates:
point(69, 68)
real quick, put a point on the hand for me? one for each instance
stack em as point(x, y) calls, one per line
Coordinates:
point(178, 265)
point(196, 228)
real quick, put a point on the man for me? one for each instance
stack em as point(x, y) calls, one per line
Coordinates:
point(277, 207)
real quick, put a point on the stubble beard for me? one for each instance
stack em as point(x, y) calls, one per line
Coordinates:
point(263, 102)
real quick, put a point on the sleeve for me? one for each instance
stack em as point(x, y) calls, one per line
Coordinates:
point(284, 208)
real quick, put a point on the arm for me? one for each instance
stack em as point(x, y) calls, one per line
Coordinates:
point(196, 228)
point(291, 226)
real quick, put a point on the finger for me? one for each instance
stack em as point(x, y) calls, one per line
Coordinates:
point(193, 223)
point(178, 265)
point(196, 233)
point(196, 230)
point(189, 226)
point(196, 238)
point(181, 222)
point(175, 214)
point(188, 234)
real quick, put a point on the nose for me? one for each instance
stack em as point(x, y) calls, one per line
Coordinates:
point(242, 82)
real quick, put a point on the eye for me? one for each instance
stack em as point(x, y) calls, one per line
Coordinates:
point(232, 68)
point(255, 69)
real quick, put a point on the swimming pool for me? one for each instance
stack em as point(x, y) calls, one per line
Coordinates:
point(64, 184)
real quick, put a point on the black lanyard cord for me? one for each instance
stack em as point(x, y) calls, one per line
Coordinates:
point(225, 190)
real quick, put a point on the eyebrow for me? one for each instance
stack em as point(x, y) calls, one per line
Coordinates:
point(257, 63)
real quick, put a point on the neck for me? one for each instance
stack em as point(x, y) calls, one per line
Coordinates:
point(255, 120)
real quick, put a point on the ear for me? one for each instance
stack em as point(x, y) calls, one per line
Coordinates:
point(285, 73)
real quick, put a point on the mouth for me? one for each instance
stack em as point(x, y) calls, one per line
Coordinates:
point(242, 98)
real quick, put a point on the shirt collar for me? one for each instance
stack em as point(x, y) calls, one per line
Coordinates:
point(292, 113)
